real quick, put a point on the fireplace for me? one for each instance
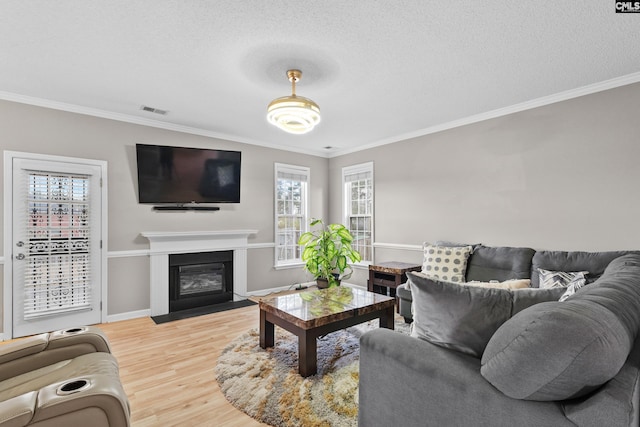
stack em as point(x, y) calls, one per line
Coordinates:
point(200, 279)
point(165, 243)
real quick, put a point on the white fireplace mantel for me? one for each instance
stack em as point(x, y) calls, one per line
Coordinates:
point(164, 243)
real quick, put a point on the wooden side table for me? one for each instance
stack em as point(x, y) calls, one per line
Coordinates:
point(388, 276)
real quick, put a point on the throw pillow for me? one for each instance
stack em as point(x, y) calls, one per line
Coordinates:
point(507, 284)
point(464, 318)
point(574, 285)
point(560, 279)
point(446, 263)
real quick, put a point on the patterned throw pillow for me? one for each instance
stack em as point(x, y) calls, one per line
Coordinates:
point(562, 279)
point(446, 263)
point(575, 284)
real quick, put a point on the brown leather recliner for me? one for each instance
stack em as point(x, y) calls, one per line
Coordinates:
point(64, 378)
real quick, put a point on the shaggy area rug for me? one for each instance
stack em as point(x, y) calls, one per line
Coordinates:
point(265, 384)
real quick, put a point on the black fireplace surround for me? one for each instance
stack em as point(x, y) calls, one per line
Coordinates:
point(200, 279)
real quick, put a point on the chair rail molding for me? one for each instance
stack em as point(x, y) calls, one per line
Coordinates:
point(398, 246)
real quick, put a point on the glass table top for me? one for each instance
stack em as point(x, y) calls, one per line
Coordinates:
point(318, 303)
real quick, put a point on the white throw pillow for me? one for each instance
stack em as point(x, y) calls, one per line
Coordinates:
point(507, 284)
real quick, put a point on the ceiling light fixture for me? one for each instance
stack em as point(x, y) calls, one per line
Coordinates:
point(293, 114)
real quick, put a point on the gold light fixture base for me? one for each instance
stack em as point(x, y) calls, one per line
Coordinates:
point(293, 114)
point(294, 75)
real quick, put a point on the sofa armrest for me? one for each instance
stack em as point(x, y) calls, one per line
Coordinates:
point(404, 302)
point(90, 337)
point(617, 403)
point(411, 382)
point(38, 351)
point(23, 348)
point(96, 400)
point(18, 411)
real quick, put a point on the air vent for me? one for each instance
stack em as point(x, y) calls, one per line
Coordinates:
point(153, 110)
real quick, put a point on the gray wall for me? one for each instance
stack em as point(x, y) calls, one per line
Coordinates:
point(40, 130)
point(562, 177)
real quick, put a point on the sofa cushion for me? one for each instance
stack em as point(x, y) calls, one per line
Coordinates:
point(593, 262)
point(404, 292)
point(464, 318)
point(556, 351)
point(446, 262)
point(523, 298)
point(499, 263)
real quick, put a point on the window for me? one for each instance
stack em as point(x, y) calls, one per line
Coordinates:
point(291, 212)
point(357, 183)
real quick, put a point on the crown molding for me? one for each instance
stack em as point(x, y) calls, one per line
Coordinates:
point(527, 105)
point(126, 118)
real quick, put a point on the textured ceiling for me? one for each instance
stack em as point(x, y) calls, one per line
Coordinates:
point(381, 71)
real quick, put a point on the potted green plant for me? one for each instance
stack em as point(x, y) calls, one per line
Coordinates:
point(327, 252)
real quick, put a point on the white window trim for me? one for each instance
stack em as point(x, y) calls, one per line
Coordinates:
point(351, 170)
point(298, 170)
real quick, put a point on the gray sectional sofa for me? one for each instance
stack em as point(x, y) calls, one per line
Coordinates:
point(542, 363)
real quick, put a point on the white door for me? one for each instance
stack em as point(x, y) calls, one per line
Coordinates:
point(56, 245)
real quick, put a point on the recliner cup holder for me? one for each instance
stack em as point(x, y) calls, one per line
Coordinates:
point(73, 330)
point(73, 387)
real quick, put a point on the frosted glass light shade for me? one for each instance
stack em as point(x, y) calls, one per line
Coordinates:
point(294, 114)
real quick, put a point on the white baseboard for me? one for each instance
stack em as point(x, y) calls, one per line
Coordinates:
point(128, 315)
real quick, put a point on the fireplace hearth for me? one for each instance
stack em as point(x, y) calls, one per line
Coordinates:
point(200, 279)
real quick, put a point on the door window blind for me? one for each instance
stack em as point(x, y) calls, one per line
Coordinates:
point(58, 271)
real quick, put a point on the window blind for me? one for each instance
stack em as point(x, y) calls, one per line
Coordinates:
point(58, 271)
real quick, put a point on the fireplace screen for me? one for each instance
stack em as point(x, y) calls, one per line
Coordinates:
point(200, 279)
point(195, 279)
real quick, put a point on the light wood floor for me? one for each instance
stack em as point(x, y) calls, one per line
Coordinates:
point(167, 370)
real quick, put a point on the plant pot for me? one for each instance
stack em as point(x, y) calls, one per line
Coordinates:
point(324, 283)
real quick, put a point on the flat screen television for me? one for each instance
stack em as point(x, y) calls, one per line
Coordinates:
point(183, 175)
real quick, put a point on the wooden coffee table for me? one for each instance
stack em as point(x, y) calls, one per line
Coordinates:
point(314, 313)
